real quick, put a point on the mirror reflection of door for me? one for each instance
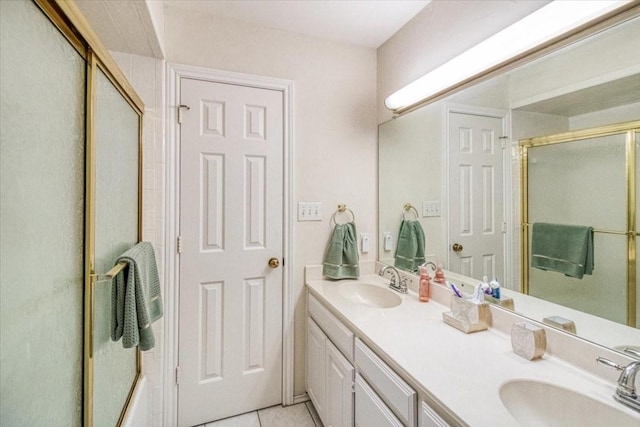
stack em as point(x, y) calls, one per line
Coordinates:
point(476, 203)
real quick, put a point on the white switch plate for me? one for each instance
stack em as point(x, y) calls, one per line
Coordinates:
point(365, 243)
point(388, 241)
point(309, 211)
point(430, 208)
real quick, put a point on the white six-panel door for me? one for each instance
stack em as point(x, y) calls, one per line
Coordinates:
point(231, 225)
point(476, 196)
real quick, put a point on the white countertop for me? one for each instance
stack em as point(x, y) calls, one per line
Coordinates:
point(462, 372)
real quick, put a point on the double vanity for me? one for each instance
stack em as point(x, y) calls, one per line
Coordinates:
point(376, 357)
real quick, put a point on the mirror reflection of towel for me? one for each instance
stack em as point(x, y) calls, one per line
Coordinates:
point(341, 258)
point(566, 249)
point(410, 250)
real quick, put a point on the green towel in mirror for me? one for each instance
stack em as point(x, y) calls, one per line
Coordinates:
point(410, 250)
point(341, 258)
point(566, 249)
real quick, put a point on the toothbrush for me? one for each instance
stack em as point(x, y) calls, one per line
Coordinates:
point(455, 290)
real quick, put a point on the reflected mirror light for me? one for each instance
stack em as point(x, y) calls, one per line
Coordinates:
point(542, 26)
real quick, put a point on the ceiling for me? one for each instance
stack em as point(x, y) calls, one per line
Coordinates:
point(360, 22)
point(127, 25)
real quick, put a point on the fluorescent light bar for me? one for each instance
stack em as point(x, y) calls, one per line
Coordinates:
point(546, 23)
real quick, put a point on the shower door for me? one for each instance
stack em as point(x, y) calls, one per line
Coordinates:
point(587, 178)
point(42, 155)
point(69, 206)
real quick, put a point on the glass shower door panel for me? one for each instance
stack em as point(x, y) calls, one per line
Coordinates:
point(116, 230)
point(579, 183)
point(42, 161)
point(568, 183)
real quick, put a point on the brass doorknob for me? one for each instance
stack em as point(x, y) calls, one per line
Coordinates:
point(457, 248)
point(274, 262)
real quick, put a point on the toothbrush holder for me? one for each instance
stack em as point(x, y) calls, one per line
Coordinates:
point(467, 316)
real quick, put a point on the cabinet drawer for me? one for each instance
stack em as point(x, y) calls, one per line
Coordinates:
point(337, 332)
point(400, 397)
point(370, 409)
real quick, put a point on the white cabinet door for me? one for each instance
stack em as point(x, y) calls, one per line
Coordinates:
point(338, 388)
point(370, 409)
point(428, 417)
point(316, 344)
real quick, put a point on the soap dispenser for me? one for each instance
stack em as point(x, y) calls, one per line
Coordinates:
point(439, 275)
point(423, 291)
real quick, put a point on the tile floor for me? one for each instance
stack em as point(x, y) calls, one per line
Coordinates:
point(300, 415)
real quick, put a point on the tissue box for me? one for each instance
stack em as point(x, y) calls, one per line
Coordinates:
point(467, 316)
point(528, 341)
point(502, 302)
point(560, 323)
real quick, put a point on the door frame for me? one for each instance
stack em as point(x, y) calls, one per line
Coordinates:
point(507, 188)
point(175, 72)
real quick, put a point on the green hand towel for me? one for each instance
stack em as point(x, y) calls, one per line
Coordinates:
point(136, 302)
point(341, 258)
point(410, 250)
point(566, 249)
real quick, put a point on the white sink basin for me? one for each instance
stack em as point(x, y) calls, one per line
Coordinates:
point(369, 295)
point(538, 404)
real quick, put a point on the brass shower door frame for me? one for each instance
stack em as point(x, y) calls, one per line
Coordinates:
point(66, 16)
point(631, 130)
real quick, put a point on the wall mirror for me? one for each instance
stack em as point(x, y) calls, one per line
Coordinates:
point(589, 84)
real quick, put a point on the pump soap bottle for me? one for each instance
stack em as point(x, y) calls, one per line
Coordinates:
point(439, 275)
point(423, 291)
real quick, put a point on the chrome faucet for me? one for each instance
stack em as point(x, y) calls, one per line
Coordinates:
point(626, 391)
point(395, 275)
point(430, 264)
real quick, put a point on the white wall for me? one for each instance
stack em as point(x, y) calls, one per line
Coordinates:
point(441, 31)
point(335, 135)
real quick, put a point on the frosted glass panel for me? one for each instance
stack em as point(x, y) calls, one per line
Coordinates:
point(603, 294)
point(579, 183)
point(583, 183)
point(41, 221)
point(116, 216)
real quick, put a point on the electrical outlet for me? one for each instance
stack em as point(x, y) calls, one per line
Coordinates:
point(430, 208)
point(365, 243)
point(309, 211)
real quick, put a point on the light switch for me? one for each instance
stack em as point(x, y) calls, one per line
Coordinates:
point(309, 211)
point(430, 208)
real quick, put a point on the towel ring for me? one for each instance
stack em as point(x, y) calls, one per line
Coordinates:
point(409, 207)
point(342, 209)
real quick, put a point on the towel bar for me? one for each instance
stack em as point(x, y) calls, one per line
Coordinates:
point(342, 209)
point(621, 233)
point(109, 274)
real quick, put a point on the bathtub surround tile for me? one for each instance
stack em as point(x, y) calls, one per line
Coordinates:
point(290, 416)
point(245, 420)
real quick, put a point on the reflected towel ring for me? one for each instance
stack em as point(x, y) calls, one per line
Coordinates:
point(409, 207)
point(342, 209)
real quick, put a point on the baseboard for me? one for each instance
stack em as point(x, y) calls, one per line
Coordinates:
point(301, 398)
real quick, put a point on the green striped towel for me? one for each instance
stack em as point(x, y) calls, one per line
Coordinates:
point(410, 250)
point(136, 302)
point(341, 258)
point(566, 249)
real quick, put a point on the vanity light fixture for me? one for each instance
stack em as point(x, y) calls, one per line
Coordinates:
point(542, 26)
